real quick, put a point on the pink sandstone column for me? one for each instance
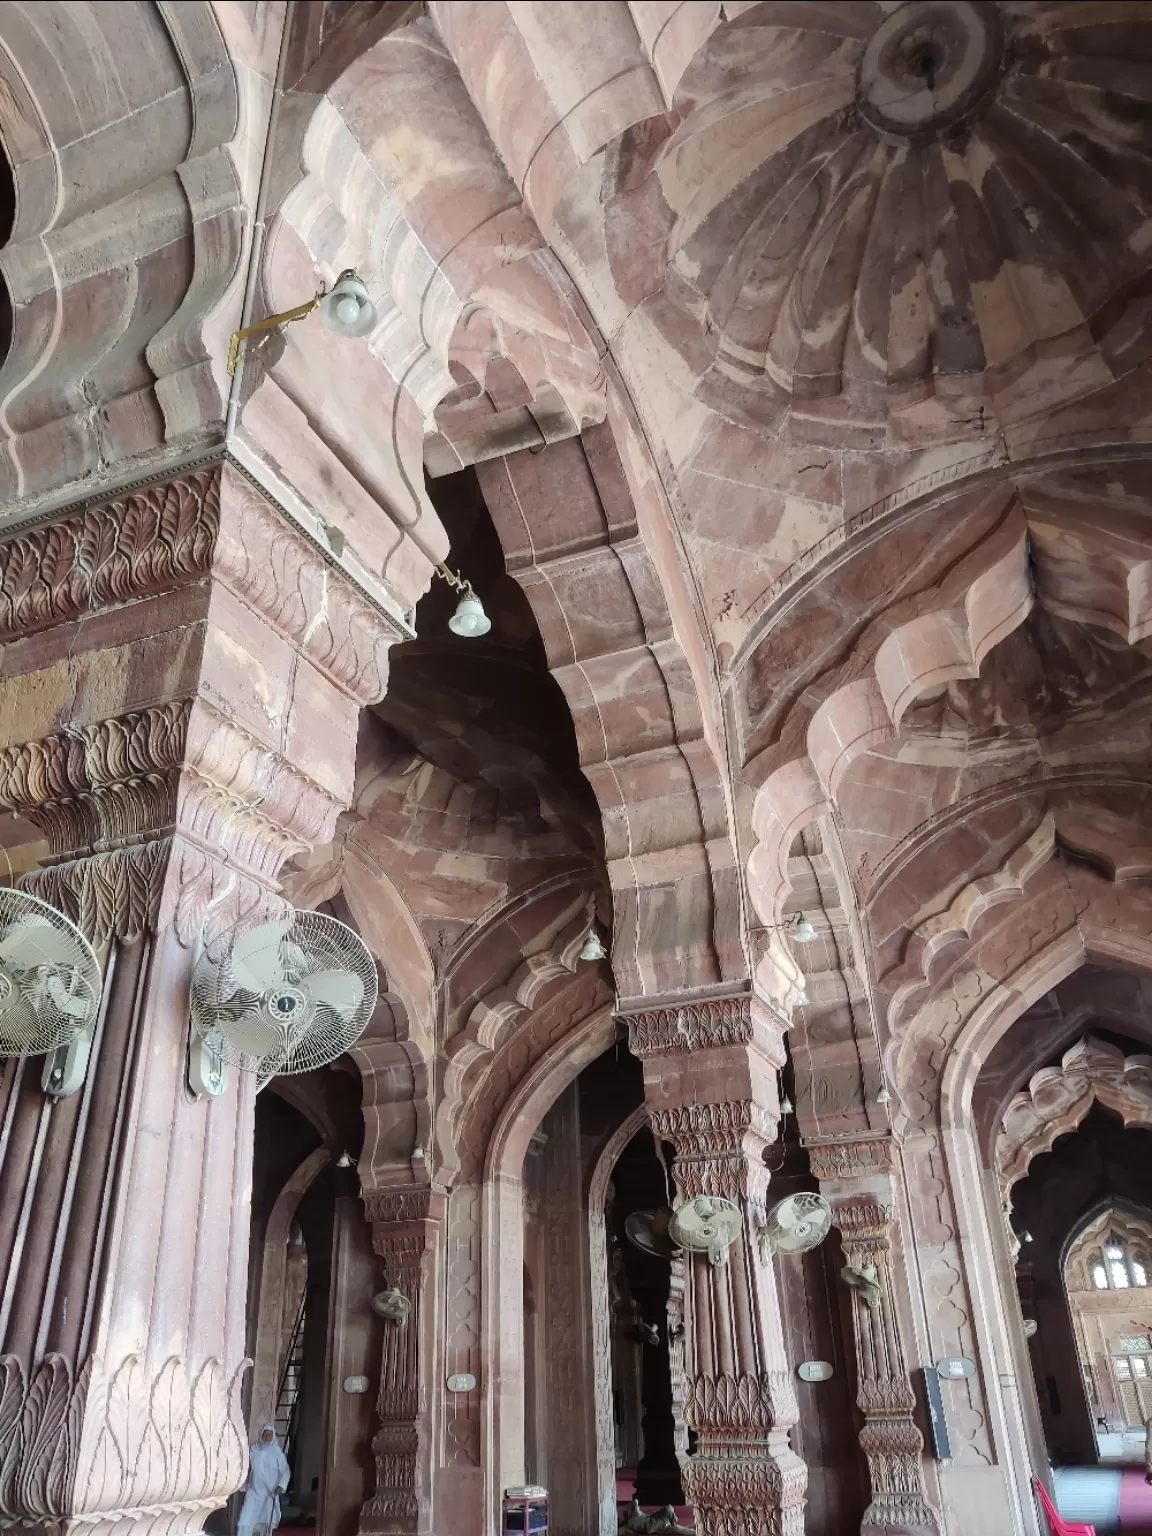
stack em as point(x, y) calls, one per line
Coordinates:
point(857, 1179)
point(710, 1074)
point(407, 1227)
point(182, 677)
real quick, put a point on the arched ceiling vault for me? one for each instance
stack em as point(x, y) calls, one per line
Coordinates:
point(801, 351)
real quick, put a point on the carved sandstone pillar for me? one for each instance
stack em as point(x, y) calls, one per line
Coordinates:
point(710, 1074)
point(856, 1178)
point(406, 1230)
point(182, 677)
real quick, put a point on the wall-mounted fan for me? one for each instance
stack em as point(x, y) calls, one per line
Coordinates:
point(707, 1224)
point(283, 997)
point(797, 1224)
point(50, 985)
point(648, 1231)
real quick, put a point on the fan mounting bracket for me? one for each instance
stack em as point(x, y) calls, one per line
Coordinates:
point(66, 1067)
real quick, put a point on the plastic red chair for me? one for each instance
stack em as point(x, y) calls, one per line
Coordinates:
point(1060, 1527)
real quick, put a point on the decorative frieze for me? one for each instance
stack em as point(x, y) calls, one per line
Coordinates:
point(137, 546)
point(205, 523)
point(692, 1026)
point(851, 1159)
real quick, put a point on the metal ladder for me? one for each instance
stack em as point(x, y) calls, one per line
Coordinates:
point(288, 1394)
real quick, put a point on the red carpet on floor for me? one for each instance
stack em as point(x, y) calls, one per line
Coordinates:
point(1135, 1504)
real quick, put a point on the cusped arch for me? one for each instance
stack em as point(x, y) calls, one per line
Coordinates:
point(1132, 1223)
point(1066, 916)
point(1057, 1099)
point(1080, 557)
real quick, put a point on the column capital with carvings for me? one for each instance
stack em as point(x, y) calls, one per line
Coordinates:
point(850, 1165)
point(711, 1075)
point(183, 676)
point(208, 524)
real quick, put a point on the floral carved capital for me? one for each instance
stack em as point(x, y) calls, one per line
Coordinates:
point(718, 1147)
point(693, 1026)
point(81, 1443)
point(205, 524)
point(851, 1159)
point(120, 800)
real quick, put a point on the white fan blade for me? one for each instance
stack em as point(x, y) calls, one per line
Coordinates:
point(29, 943)
point(343, 991)
point(256, 961)
point(74, 1004)
point(254, 1035)
point(19, 1032)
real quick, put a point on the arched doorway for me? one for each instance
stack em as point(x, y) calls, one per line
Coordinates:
point(1107, 1275)
point(311, 1274)
point(1072, 1154)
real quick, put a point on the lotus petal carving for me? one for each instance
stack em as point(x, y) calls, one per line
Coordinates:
point(873, 206)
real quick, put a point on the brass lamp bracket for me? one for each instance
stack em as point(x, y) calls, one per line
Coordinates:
point(450, 576)
point(269, 323)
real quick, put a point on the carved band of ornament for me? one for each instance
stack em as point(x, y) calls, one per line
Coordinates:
point(165, 536)
point(393, 1503)
point(864, 1222)
point(398, 1205)
point(745, 1402)
point(181, 763)
point(751, 1493)
point(896, 1439)
point(398, 1434)
point(691, 1027)
point(704, 1129)
point(900, 1512)
point(401, 1250)
point(147, 542)
point(126, 1440)
point(889, 1397)
point(851, 1159)
point(149, 887)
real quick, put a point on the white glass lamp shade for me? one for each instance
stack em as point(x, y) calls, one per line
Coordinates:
point(470, 618)
point(347, 310)
point(593, 947)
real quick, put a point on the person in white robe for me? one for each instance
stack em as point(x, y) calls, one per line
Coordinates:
point(268, 1474)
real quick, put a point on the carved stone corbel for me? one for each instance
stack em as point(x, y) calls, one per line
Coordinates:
point(857, 1179)
point(405, 1235)
point(710, 1073)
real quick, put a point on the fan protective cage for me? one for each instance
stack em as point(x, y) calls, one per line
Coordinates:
point(285, 997)
point(50, 979)
point(800, 1222)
